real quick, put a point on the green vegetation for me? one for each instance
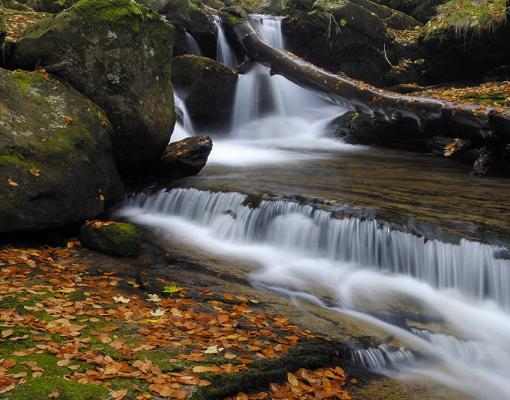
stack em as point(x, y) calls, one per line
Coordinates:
point(118, 239)
point(463, 16)
point(40, 388)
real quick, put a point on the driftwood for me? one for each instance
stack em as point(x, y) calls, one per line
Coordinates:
point(466, 121)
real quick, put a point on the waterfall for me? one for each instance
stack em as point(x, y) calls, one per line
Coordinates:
point(224, 53)
point(192, 44)
point(365, 265)
point(184, 129)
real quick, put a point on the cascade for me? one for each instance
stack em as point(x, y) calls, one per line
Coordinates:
point(362, 263)
point(224, 53)
point(192, 44)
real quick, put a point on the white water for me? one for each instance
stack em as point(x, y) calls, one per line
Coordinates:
point(273, 119)
point(192, 44)
point(364, 266)
point(184, 129)
point(224, 53)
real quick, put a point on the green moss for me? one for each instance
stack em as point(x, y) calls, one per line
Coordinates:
point(118, 239)
point(464, 16)
point(40, 388)
point(115, 12)
point(498, 98)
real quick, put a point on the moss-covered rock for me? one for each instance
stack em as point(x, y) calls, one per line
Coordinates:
point(192, 17)
point(344, 35)
point(41, 388)
point(3, 30)
point(117, 53)
point(208, 88)
point(113, 238)
point(465, 41)
point(51, 6)
point(185, 157)
point(56, 162)
point(422, 10)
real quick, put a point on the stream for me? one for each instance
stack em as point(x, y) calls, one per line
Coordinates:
point(358, 231)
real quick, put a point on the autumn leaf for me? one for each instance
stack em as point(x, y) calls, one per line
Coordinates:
point(153, 298)
point(159, 312)
point(12, 182)
point(68, 120)
point(121, 299)
point(171, 289)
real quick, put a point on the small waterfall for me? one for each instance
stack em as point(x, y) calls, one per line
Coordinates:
point(260, 96)
point(224, 53)
point(469, 267)
point(362, 264)
point(192, 44)
point(384, 357)
point(184, 129)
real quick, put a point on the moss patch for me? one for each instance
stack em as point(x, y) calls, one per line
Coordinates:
point(40, 388)
point(464, 16)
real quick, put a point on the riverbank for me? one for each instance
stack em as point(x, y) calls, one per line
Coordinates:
point(80, 325)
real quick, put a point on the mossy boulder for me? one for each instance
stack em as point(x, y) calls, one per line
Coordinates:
point(466, 41)
point(185, 157)
point(113, 238)
point(344, 35)
point(208, 89)
point(118, 54)
point(3, 30)
point(192, 17)
point(56, 159)
point(421, 10)
point(50, 6)
point(43, 387)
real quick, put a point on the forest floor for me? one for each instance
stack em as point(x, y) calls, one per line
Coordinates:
point(71, 331)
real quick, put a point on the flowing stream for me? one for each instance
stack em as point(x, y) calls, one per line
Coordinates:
point(351, 263)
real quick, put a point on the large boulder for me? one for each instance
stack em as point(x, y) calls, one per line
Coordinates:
point(118, 54)
point(185, 157)
point(208, 89)
point(192, 17)
point(344, 35)
point(467, 43)
point(56, 160)
point(51, 6)
point(3, 30)
point(422, 10)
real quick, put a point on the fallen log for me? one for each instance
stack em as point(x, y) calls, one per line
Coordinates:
point(466, 121)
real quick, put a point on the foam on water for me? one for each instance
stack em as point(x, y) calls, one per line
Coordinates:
point(363, 264)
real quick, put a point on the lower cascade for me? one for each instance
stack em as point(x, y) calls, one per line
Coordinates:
point(303, 251)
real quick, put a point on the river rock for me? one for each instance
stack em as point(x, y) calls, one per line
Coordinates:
point(112, 238)
point(50, 6)
point(453, 57)
point(192, 17)
point(3, 30)
point(185, 157)
point(345, 35)
point(118, 54)
point(208, 89)
point(56, 160)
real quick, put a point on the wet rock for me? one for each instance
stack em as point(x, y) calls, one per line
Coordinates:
point(344, 35)
point(56, 160)
point(208, 90)
point(358, 128)
point(192, 17)
point(118, 54)
point(112, 238)
point(185, 157)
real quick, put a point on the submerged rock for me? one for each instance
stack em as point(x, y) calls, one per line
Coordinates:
point(56, 160)
point(208, 87)
point(185, 157)
point(118, 54)
point(113, 238)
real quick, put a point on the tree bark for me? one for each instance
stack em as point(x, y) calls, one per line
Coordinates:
point(461, 120)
